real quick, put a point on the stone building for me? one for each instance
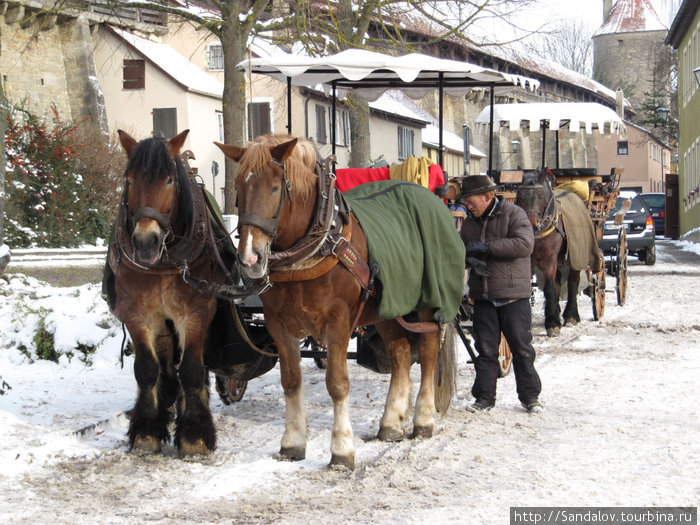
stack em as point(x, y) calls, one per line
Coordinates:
point(46, 59)
point(628, 47)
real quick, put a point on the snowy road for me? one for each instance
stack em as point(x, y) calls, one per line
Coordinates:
point(620, 428)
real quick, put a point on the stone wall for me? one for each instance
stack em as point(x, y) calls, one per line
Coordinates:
point(627, 60)
point(46, 60)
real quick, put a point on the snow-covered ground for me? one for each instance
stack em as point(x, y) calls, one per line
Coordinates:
point(620, 425)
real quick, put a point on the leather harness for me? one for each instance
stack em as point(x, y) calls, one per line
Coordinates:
point(326, 243)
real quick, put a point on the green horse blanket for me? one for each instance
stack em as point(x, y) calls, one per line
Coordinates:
point(412, 235)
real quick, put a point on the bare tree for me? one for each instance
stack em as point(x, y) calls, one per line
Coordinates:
point(325, 27)
point(568, 44)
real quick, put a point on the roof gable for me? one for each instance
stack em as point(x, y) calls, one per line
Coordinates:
point(173, 64)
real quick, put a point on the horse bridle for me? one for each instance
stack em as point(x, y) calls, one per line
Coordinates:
point(548, 215)
point(270, 226)
point(164, 220)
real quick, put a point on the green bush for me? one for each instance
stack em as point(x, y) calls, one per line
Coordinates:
point(50, 201)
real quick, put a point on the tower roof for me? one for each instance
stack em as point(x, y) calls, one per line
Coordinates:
point(630, 16)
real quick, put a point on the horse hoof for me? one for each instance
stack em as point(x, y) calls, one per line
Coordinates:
point(146, 445)
point(390, 434)
point(553, 332)
point(192, 448)
point(571, 322)
point(422, 431)
point(293, 453)
point(341, 462)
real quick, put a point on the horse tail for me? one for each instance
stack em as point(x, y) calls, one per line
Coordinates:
point(446, 371)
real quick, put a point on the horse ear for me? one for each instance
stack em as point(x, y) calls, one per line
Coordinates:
point(282, 151)
point(232, 152)
point(128, 142)
point(175, 144)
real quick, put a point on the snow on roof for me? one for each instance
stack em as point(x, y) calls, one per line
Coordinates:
point(629, 16)
point(552, 70)
point(391, 102)
point(431, 133)
point(574, 115)
point(415, 74)
point(173, 64)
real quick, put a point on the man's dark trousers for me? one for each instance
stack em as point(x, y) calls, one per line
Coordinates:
point(514, 319)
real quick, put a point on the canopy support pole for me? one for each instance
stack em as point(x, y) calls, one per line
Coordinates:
point(440, 117)
point(557, 148)
point(289, 105)
point(333, 119)
point(545, 125)
point(491, 102)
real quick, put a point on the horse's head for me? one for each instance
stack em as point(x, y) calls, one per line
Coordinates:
point(534, 195)
point(274, 177)
point(151, 194)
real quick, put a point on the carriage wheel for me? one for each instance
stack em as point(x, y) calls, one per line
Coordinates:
point(597, 288)
point(505, 358)
point(621, 267)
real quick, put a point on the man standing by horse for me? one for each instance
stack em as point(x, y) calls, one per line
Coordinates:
point(499, 241)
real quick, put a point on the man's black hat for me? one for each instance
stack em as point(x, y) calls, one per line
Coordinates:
point(475, 184)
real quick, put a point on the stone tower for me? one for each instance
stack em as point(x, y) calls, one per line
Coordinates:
point(629, 47)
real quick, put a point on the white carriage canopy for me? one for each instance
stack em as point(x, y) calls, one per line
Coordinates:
point(573, 116)
point(369, 74)
point(555, 115)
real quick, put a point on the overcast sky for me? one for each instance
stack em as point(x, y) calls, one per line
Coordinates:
point(592, 10)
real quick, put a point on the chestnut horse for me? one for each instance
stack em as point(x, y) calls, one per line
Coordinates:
point(277, 200)
point(536, 196)
point(162, 229)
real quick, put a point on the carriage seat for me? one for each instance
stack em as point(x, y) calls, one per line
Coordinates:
point(411, 169)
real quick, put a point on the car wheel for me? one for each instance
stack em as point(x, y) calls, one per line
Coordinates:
point(650, 256)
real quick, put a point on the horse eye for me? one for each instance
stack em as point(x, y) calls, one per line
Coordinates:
point(275, 188)
point(170, 181)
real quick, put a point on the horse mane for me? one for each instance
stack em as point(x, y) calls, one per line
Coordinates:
point(152, 162)
point(300, 164)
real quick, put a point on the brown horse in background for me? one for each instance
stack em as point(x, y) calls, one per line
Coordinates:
point(536, 196)
point(277, 200)
point(162, 230)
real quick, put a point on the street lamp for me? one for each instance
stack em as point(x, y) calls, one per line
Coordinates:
point(696, 72)
point(662, 113)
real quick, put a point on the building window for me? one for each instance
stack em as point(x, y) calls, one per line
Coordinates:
point(405, 142)
point(346, 128)
point(215, 57)
point(220, 122)
point(259, 119)
point(134, 74)
point(342, 126)
point(622, 147)
point(321, 136)
point(165, 122)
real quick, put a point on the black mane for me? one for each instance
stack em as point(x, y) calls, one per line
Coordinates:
point(152, 162)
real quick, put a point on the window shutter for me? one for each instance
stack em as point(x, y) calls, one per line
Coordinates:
point(165, 122)
point(134, 74)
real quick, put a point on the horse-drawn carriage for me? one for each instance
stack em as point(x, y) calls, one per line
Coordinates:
point(177, 283)
point(574, 202)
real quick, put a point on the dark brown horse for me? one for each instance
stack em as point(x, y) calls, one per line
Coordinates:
point(277, 200)
point(536, 196)
point(162, 230)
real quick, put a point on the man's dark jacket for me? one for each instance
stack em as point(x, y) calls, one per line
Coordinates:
point(507, 232)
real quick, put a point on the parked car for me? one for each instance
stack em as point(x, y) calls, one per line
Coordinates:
point(656, 202)
point(639, 225)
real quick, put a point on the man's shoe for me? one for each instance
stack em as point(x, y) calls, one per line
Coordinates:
point(481, 405)
point(532, 406)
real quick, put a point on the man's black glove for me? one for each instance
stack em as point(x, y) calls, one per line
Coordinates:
point(478, 266)
point(477, 249)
